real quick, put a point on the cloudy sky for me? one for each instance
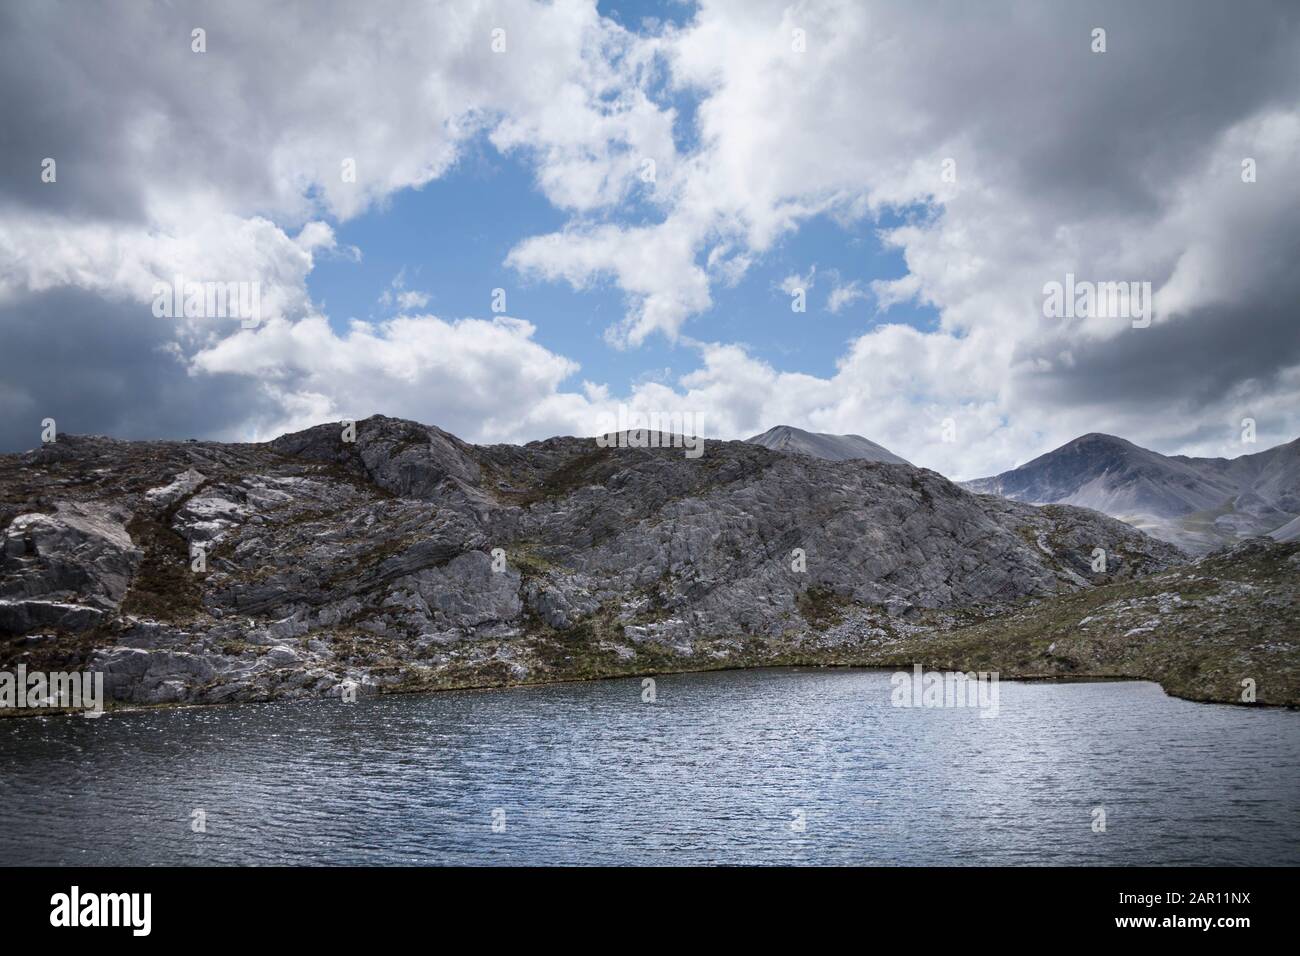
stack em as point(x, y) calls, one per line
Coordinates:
point(650, 186)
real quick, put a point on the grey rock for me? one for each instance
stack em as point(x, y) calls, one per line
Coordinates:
point(373, 561)
point(81, 553)
point(19, 617)
point(183, 484)
point(282, 656)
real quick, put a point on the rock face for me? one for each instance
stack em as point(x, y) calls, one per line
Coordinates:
point(69, 568)
point(796, 441)
point(405, 559)
point(1197, 503)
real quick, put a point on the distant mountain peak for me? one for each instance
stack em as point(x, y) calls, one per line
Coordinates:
point(797, 441)
point(1100, 438)
point(1197, 503)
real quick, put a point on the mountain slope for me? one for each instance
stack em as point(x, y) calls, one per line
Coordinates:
point(1196, 503)
point(1201, 630)
point(796, 441)
point(1288, 532)
point(409, 559)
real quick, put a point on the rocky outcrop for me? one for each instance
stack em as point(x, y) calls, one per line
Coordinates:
point(407, 558)
point(66, 568)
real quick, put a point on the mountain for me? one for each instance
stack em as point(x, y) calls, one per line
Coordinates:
point(796, 441)
point(1197, 503)
point(407, 559)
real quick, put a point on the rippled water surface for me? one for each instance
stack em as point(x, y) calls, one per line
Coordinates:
point(715, 771)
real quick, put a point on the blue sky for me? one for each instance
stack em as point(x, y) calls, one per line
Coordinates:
point(632, 14)
point(449, 239)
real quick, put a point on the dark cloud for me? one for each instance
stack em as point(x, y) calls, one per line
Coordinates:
point(113, 93)
point(1185, 366)
point(105, 368)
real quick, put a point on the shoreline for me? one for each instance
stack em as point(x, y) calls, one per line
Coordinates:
point(115, 708)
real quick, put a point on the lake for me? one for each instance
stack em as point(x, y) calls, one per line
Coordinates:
point(782, 766)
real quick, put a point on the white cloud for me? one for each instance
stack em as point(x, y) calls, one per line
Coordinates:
point(123, 263)
point(655, 266)
point(398, 296)
point(486, 380)
point(844, 294)
point(794, 281)
point(410, 300)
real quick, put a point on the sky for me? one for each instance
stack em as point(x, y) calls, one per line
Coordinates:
point(509, 219)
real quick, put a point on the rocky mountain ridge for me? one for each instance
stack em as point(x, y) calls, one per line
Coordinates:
point(201, 572)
